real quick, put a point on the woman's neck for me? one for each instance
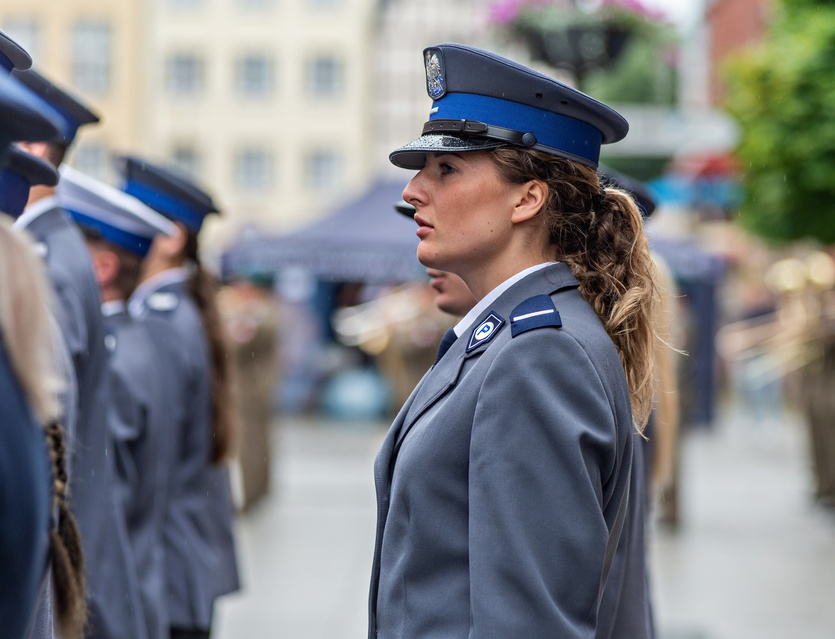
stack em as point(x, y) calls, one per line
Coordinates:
point(153, 267)
point(484, 278)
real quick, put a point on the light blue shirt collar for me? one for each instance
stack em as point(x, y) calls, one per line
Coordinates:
point(481, 307)
point(113, 307)
point(35, 210)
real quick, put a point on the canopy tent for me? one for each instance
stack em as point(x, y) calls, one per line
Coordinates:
point(363, 241)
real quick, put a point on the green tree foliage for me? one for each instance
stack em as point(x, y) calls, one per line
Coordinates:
point(783, 95)
point(645, 73)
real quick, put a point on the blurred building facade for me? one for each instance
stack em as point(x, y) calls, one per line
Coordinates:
point(93, 48)
point(733, 25)
point(265, 102)
point(284, 109)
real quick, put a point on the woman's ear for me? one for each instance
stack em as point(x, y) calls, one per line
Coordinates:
point(532, 198)
point(174, 246)
point(106, 266)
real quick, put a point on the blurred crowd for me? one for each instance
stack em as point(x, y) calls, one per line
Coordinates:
point(117, 393)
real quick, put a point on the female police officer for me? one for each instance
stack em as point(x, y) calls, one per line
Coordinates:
point(502, 486)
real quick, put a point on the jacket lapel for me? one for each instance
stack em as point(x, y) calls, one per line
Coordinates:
point(444, 375)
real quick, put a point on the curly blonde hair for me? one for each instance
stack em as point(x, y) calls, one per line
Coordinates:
point(598, 232)
point(29, 336)
point(25, 298)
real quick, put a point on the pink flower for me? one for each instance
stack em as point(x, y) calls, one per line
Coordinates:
point(637, 7)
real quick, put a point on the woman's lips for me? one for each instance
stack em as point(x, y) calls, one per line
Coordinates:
point(424, 228)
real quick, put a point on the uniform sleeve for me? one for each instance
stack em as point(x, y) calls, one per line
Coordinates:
point(71, 319)
point(127, 421)
point(543, 445)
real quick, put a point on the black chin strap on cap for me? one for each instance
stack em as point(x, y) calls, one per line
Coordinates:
point(480, 129)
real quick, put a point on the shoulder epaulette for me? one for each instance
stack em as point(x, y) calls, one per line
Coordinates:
point(535, 312)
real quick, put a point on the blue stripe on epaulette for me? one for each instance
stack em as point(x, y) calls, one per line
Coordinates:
point(534, 312)
point(485, 331)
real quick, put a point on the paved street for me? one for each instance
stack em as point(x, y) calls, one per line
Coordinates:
point(754, 557)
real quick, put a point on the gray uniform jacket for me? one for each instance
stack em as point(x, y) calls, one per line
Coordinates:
point(199, 542)
point(141, 427)
point(503, 483)
point(625, 610)
point(111, 582)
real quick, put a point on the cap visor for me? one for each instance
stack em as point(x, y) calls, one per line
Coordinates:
point(413, 154)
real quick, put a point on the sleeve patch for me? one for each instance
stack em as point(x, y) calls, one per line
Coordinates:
point(535, 312)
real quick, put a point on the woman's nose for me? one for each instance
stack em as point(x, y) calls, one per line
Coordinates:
point(413, 193)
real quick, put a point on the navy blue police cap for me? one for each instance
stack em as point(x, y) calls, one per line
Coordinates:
point(21, 173)
point(483, 101)
point(12, 55)
point(23, 118)
point(111, 214)
point(165, 191)
point(73, 113)
point(637, 189)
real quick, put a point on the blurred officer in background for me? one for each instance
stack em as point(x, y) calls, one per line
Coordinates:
point(111, 581)
point(119, 231)
point(200, 550)
point(250, 312)
point(33, 478)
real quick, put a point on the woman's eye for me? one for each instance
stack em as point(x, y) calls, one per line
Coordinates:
point(446, 169)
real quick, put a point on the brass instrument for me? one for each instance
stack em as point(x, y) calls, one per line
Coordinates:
point(371, 325)
point(779, 343)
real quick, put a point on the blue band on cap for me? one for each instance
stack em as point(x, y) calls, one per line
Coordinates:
point(14, 193)
point(166, 205)
point(553, 130)
point(129, 241)
point(6, 63)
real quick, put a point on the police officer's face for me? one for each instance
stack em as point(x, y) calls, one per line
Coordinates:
point(453, 295)
point(463, 211)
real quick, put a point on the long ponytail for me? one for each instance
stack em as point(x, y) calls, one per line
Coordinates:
point(598, 232)
point(65, 551)
point(203, 289)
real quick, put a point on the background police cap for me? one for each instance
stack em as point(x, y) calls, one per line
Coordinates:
point(115, 216)
point(73, 113)
point(22, 172)
point(482, 100)
point(165, 191)
point(12, 55)
point(637, 189)
point(23, 118)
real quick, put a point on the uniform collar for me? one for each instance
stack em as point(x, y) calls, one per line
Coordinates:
point(35, 210)
point(113, 307)
point(153, 284)
point(479, 309)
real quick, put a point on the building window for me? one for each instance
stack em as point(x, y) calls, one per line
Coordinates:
point(91, 56)
point(91, 159)
point(255, 75)
point(323, 171)
point(184, 74)
point(25, 33)
point(254, 170)
point(187, 160)
point(324, 76)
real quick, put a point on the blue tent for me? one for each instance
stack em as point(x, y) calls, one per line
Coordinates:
point(363, 241)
